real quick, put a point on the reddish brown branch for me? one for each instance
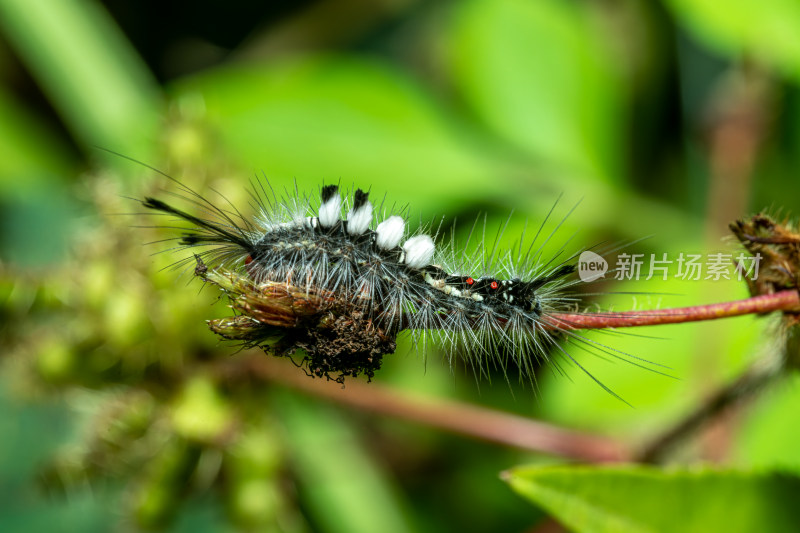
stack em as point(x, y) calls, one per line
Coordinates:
point(743, 388)
point(463, 419)
point(779, 301)
point(504, 428)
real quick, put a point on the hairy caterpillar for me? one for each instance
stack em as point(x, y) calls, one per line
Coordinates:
point(353, 283)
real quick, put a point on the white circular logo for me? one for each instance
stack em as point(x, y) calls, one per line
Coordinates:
point(591, 266)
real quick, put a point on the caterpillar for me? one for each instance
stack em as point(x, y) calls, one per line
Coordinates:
point(341, 285)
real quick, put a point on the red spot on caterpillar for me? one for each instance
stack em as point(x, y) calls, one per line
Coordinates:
point(252, 268)
point(493, 285)
point(470, 281)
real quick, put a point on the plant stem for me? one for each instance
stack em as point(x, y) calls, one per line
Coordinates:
point(511, 430)
point(780, 301)
point(748, 384)
point(456, 417)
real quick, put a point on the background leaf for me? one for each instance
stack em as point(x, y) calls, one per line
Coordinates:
point(766, 30)
point(635, 499)
point(537, 74)
point(97, 82)
point(332, 118)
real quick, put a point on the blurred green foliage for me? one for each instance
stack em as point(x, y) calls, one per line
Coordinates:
point(630, 499)
point(666, 120)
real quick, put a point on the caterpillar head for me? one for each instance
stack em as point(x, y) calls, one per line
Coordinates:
point(523, 293)
point(520, 294)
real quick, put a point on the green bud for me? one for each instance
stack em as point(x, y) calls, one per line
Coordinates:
point(255, 502)
point(201, 413)
point(56, 362)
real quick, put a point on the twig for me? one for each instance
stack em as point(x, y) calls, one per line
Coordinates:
point(744, 387)
point(456, 417)
point(476, 421)
point(780, 301)
point(511, 430)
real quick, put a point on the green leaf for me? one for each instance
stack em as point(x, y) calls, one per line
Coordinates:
point(362, 121)
point(89, 71)
point(36, 208)
point(538, 75)
point(636, 499)
point(28, 146)
point(770, 429)
point(767, 29)
point(344, 489)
